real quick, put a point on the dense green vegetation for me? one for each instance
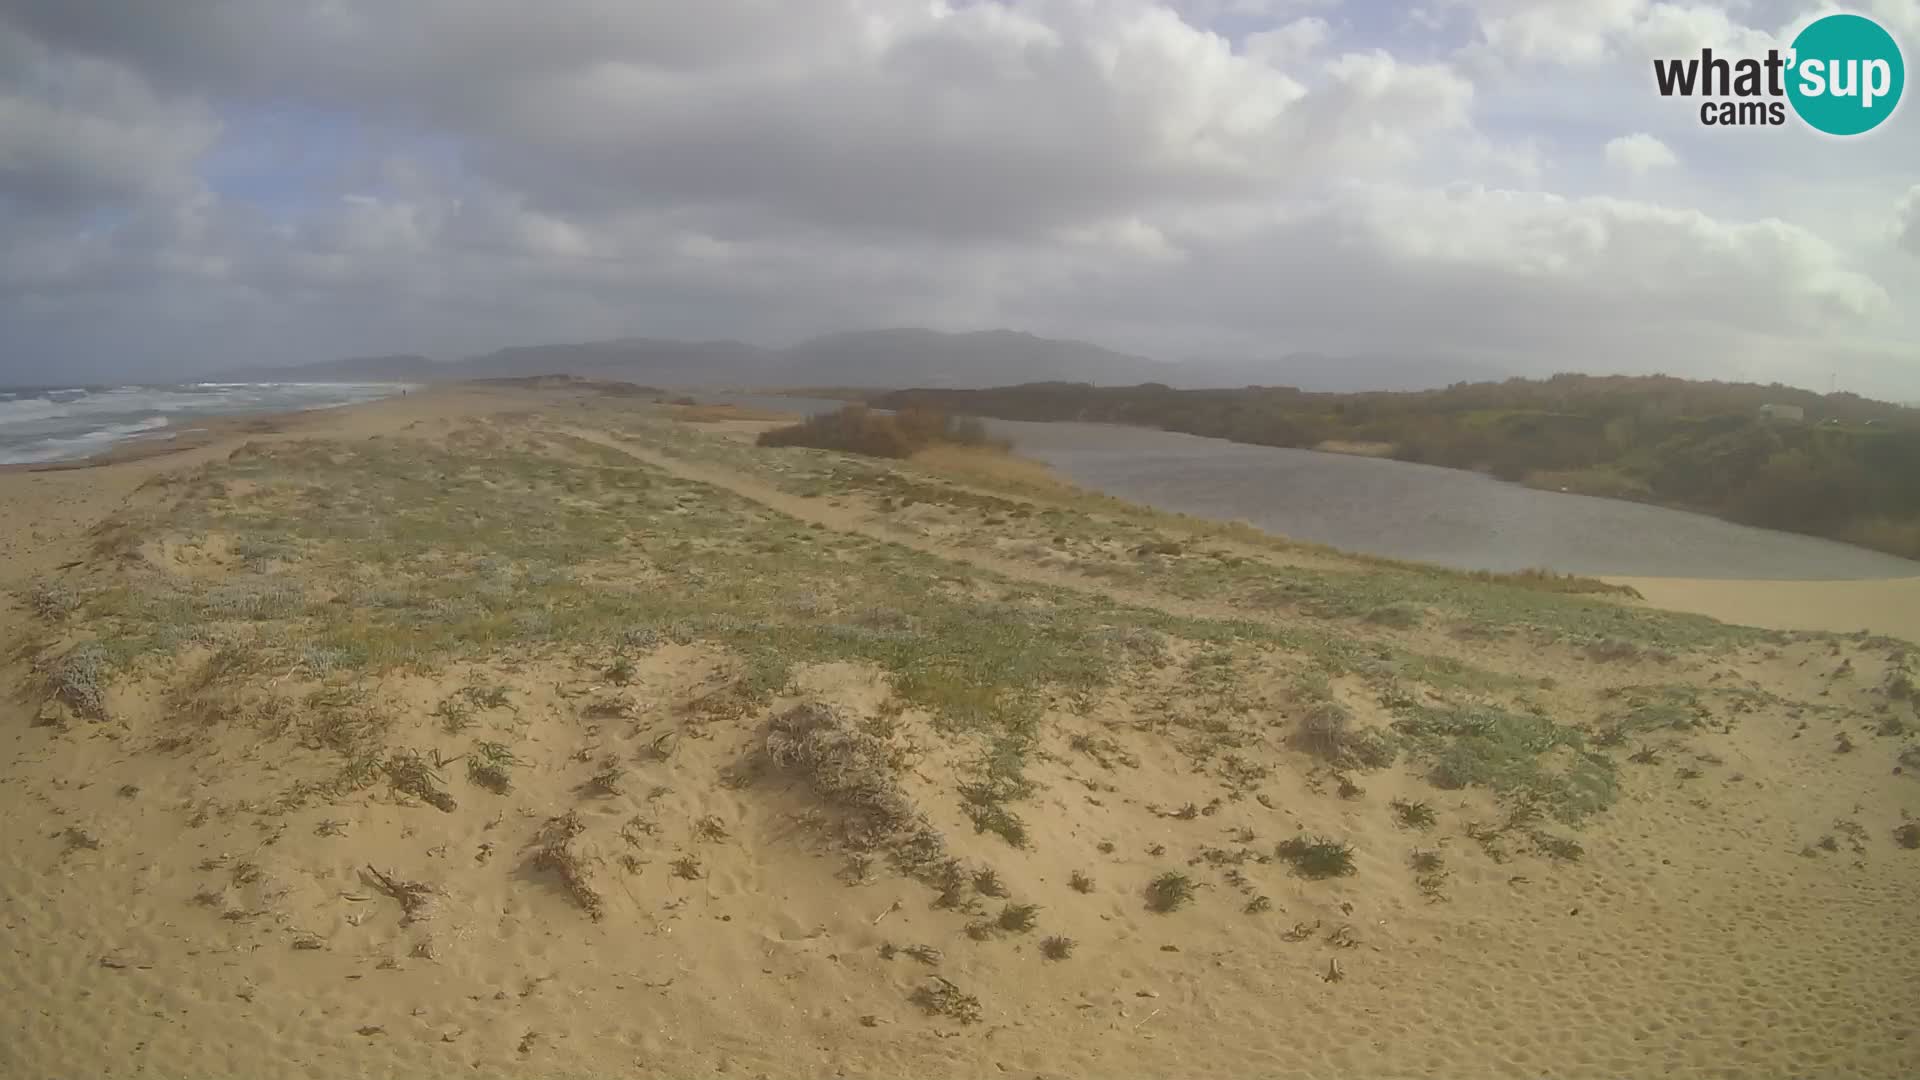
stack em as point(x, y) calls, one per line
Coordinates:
point(1850, 470)
point(860, 430)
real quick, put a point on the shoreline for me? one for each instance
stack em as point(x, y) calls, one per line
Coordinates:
point(51, 506)
point(198, 428)
point(1381, 450)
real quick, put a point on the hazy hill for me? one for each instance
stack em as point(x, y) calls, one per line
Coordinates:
point(883, 358)
point(913, 357)
point(650, 360)
point(396, 368)
point(895, 358)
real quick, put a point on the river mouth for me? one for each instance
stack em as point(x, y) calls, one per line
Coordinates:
point(1421, 513)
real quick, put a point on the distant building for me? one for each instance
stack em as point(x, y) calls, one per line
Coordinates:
point(1783, 412)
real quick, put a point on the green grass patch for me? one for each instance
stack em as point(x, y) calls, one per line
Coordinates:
point(1516, 755)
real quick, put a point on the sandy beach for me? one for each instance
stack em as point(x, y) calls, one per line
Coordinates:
point(1886, 606)
point(501, 732)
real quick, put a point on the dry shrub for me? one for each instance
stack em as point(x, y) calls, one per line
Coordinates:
point(415, 898)
point(848, 767)
point(553, 850)
point(856, 772)
point(1327, 732)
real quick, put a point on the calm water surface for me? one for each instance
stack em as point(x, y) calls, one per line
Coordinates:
point(1420, 512)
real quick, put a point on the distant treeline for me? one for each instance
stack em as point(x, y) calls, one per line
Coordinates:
point(1849, 470)
point(860, 430)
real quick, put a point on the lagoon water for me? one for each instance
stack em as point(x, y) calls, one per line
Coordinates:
point(1421, 512)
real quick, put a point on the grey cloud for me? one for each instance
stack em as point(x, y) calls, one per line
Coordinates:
point(77, 133)
point(768, 170)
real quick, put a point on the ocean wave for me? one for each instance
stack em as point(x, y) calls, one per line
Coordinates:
point(48, 425)
point(79, 445)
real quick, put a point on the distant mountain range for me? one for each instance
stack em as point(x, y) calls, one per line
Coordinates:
point(882, 359)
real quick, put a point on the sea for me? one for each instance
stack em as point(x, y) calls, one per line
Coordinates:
point(47, 424)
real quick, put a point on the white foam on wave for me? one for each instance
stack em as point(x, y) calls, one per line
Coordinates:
point(52, 425)
point(83, 444)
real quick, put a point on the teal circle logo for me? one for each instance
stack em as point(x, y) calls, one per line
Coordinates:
point(1846, 75)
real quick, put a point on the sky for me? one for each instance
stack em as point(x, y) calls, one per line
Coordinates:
point(208, 183)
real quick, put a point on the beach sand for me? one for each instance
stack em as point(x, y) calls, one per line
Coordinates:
point(211, 874)
point(1883, 606)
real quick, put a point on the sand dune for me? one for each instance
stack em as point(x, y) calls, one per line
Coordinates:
point(512, 733)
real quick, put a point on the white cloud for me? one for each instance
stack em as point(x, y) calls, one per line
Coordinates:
point(1639, 154)
point(1291, 43)
point(476, 172)
point(1906, 221)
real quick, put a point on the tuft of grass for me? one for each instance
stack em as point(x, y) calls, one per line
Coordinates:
point(486, 696)
point(1412, 815)
point(1907, 836)
point(610, 778)
point(687, 867)
point(1561, 848)
point(1169, 892)
point(1317, 857)
point(52, 600)
point(456, 715)
point(1018, 918)
point(621, 671)
point(490, 765)
point(987, 883)
point(1515, 755)
point(1426, 862)
point(1258, 904)
point(1057, 947)
point(409, 773)
point(995, 818)
point(1079, 882)
point(942, 998)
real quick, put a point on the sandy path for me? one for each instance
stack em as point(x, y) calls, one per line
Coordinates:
point(1888, 606)
point(820, 512)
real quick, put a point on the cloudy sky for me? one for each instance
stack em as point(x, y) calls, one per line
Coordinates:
point(198, 183)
